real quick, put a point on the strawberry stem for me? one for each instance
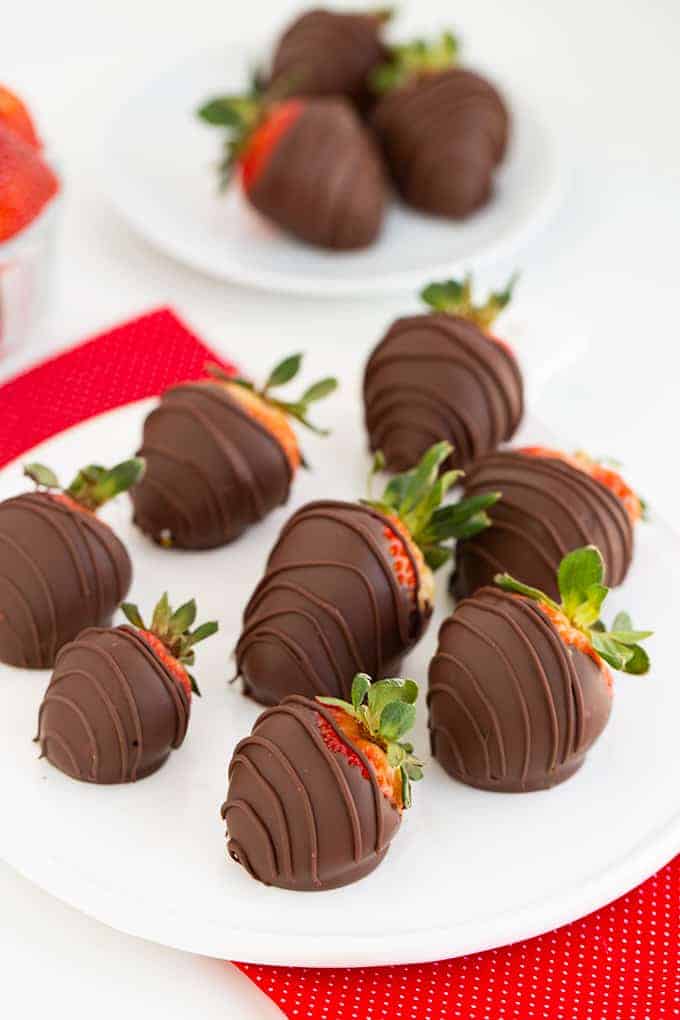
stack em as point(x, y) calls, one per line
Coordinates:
point(415, 497)
point(454, 297)
point(94, 485)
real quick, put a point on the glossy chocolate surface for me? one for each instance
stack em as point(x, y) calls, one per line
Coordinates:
point(512, 707)
point(548, 508)
point(211, 469)
point(438, 376)
point(298, 814)
point(112, 712)
point(61, 569)
point(329, 606)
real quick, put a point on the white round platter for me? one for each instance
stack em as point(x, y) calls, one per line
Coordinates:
point(469, 870)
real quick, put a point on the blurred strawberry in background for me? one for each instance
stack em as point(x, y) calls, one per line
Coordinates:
point(26, 183)
point(15, 116)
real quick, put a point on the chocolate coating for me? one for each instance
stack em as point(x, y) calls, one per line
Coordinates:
point(548, 508)
point(329, 606)
point(211, 469)
point(435, 377)
point(112, 711)
point(512, 707)
point(299, 816)
point(324, 182)
point(61, 569)
point(328, 53)
point(443, 135)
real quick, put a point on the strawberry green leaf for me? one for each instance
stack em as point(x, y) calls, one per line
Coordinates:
point(42, 475)
point(587, 613)
point(205, 630)
point(119, 479)
point(611, 651)
point(454, 297)
point(436, 555)
point(630, 637)
point(223, 111)
point(132, 613)
point(319, 390)
point(160, 620)
point(284, 371)
point(396, 719)
point(183, 617)
point(360, 688)
point(509, 584)
point(622, 621)
point(579, 572)
point(638, 664)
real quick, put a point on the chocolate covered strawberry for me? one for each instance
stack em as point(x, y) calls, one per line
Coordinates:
point(340, 775)
point(61, 568)
point(519, 688)
point(552, 502)
point(348, 587)
point(15, 116)
point(220, 454)
point(26, 183)
point(307, 164)
point(120, 697)
point(443, 129)
point(330, 53)
point(443, 375)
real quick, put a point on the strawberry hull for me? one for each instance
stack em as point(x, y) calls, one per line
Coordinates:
point(443, 136)
point(212, 469)
point(112, 712)
point(439, 376)
point(512, 706)
point(329, 606)
point(324, 181)
point(547, 508)
point(300, 815)
point(328, 53)
point(61, 570)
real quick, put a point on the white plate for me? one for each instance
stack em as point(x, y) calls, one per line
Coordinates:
point(159, 169)
point(469, 870)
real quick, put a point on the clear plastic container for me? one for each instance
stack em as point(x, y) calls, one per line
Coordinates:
point(26, 272)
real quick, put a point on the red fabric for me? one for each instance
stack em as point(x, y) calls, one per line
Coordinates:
point(620, 963)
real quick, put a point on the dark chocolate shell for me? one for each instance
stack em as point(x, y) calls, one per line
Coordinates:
point(512, 707)
point(548, 508)
point(61, 570)
point(443, 136)
point(299, 815)
point(112, 712)
point(212, 470)
point(324, 182)
point(329, 53)
point(435, 377)
point(329, 606)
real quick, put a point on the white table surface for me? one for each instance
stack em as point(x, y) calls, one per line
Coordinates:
point(608, 75)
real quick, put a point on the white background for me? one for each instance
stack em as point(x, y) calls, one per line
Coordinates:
point(607, 74)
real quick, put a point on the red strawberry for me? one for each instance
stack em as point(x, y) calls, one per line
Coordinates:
point(93, 486)
point(607, 476)
point(26, 183)
point(274, 414)
point(15, 116)
point(308, 164)
point(170, 639)
point(577, 618)
point(378, 717)
point(417, 526)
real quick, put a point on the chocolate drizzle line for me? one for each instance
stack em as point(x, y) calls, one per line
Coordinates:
point(62, 570)
point(548, 508)
point(439, 376)
point(301, 631)
point(531, 702)
point(280, 733)
point(123, 741)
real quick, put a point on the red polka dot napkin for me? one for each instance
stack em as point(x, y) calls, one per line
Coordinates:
point(620, 963)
